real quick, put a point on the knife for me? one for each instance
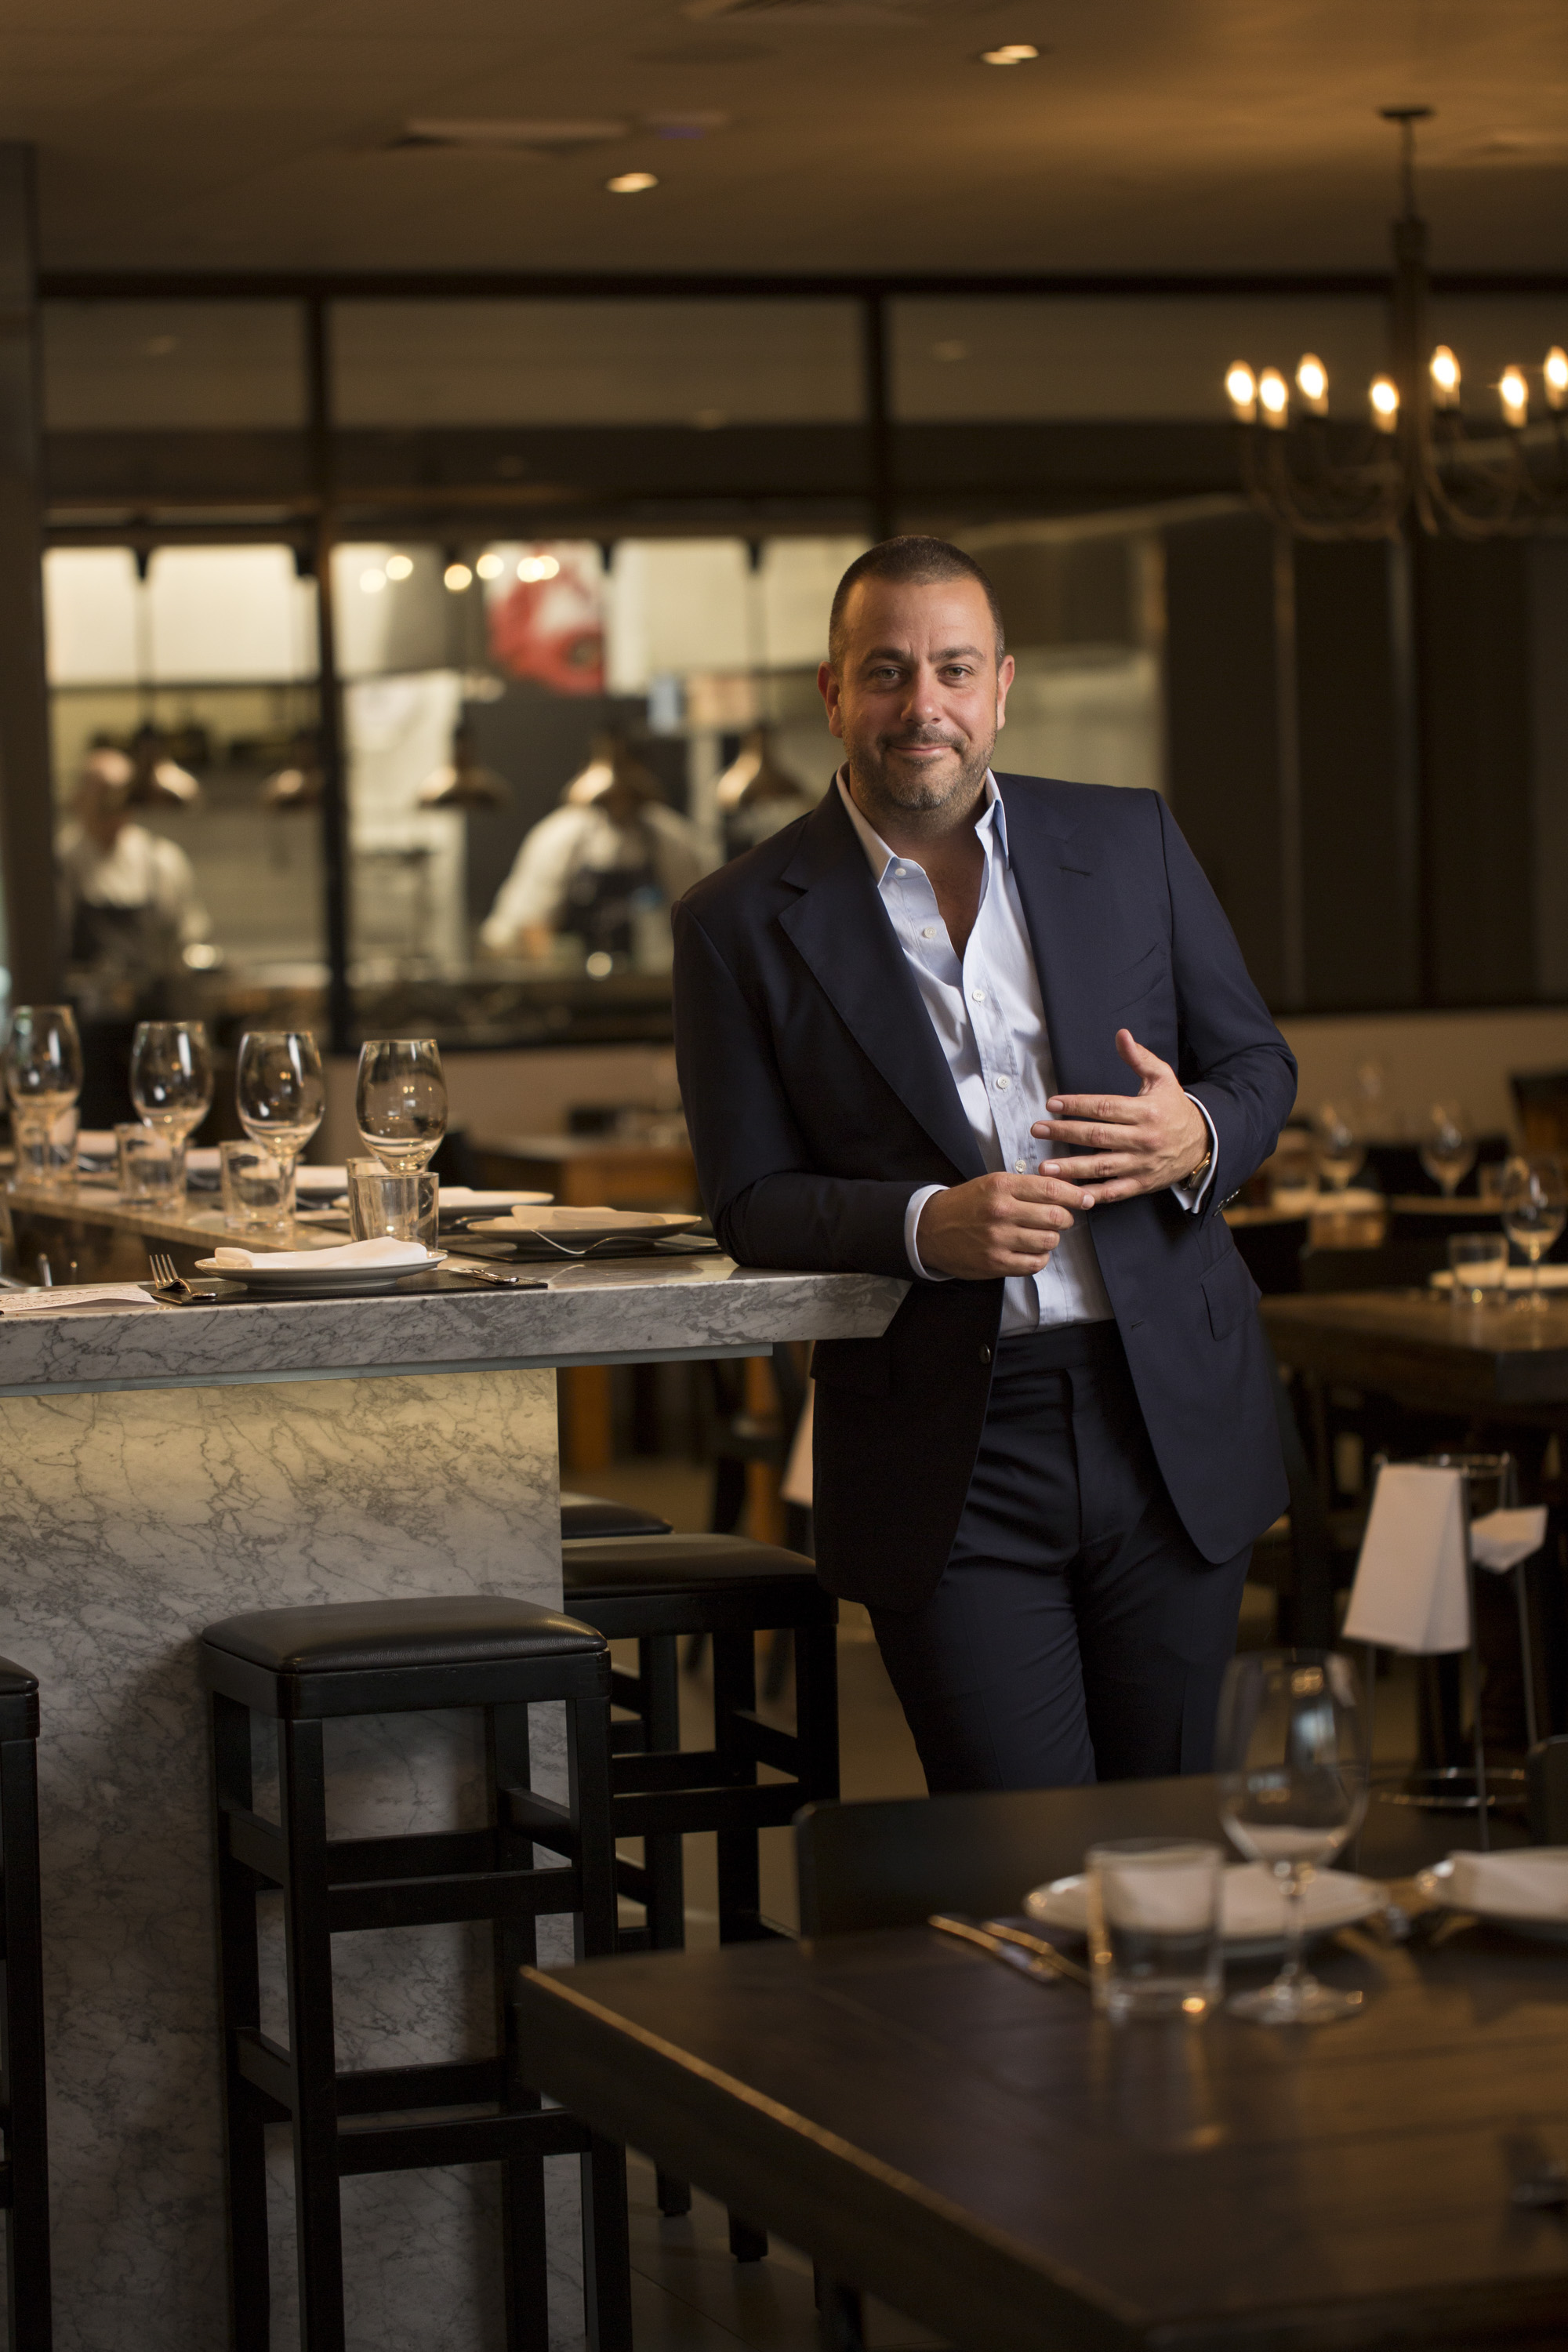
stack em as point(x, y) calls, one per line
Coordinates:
point(1005, 1947)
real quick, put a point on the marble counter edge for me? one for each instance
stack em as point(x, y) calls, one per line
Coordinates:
point(727, 1311)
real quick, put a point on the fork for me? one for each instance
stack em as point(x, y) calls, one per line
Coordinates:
point(165, 1278)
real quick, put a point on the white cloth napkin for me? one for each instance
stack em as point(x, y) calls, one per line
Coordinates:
point(1501, 1539)
point(98, 1298)
point(1411, 1592)
point(1531, 1885)
point(384, 1251)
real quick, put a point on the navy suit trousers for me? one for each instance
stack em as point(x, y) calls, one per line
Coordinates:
point(1077, 1632)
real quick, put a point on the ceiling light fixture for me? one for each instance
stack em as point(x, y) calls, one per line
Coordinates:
point(399, 567)
point(373, 581)
point(632, 184)
point(538, 133)
point(537, 567)
point(1420, 461)
point(1011, 53)
point(490, 567)
point(457, 577)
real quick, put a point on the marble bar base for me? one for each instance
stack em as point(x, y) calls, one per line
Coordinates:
point(129, 1521)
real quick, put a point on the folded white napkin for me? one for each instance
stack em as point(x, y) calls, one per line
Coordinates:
point(321, 1180)
point(1355, 1201)
point(1502, 1538)
point(1411, 1591)
point(382, 1252)
point(99, 1297)
point(1529, 1885)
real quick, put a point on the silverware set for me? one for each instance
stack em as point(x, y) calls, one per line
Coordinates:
point(1031, 1956)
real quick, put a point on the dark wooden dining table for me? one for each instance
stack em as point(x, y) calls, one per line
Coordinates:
point(1492, 1365)
point(1020, 2175)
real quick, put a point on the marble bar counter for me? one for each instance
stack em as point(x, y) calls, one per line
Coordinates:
point(162, 1469)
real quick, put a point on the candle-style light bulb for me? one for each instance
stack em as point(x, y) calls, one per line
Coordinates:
point(1514, 393)
point(1555, 371)
point(1444, 378)
point(1312, 383)
point(1274, 399)
point(1384, 396)
point(1241, 391)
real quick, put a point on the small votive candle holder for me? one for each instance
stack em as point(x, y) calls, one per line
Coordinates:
point(405, 1205)
point(257, 1187)
point(1478, 1264)
point(151, 1168)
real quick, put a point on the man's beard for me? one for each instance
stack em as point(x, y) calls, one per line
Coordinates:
point(917, 790)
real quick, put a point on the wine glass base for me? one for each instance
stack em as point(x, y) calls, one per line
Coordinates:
point(1301, 2001)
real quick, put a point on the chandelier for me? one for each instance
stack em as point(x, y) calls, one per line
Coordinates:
point(1418, 455)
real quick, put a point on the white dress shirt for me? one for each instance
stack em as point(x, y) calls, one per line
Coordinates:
point(990, 1022)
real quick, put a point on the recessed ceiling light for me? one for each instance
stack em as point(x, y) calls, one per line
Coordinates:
point(400, 567)
point(490, 567)
point(1011, 53)
point(457, 577)
point(632, 184)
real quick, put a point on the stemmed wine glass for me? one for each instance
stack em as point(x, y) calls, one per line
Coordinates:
point(1447, 1148)
point(400, 1101)
point(1337, 1150)
point(1291, 1751)
point(278, 1090)
point(172, 1077)
point(1534, 1204)
point(43, 1079)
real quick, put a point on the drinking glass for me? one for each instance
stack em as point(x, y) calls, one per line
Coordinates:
point(152, 1166)
point(1155, 1927)
point(1478, 1264)
point(1534, 1212)
point(43, 1079)
point(1448, 1147)
point(1337, 1150)
point(172, 1077)
point(279, 1091)
point(400, 1100)
point(403, 1202)
point(1291, 1751)
point(257, 1186)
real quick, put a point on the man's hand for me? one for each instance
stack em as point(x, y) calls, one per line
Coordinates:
point(1128, 1143)
point(996, 1224)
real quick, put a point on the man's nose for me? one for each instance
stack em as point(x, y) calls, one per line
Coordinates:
point(922, 696)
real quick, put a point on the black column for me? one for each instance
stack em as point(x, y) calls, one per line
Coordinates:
point(26, 817)
point(330, 712)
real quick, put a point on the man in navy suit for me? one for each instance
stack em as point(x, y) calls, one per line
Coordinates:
point(994, 1035)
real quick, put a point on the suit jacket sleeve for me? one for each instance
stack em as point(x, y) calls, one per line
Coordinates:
point(1233, 1059)
point(769, 1207)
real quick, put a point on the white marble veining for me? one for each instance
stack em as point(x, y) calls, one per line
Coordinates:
point(128, 1523)
point(596, 1314)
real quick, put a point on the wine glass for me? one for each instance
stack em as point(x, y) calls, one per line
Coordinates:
point(400, 1101)
point(1448, 1147)
point(1337, 1150)
point(43, 1079)
point(172, 1077)
point(1291, 1751)
point(278, 1090)
point(1534, 1204)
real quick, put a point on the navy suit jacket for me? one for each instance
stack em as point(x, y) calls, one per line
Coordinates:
point(819, 1100)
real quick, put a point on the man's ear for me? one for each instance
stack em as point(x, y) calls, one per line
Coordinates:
point(1006, 669)
point(827, 686)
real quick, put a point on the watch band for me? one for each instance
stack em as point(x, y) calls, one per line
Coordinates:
point(1200, 1171)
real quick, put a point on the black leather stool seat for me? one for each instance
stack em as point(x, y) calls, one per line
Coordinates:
point(18, 1702)
point(586, 1517)
point(690, 1584)
point(348, 1637)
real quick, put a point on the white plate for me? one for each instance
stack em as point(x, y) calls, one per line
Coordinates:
point(461, 1204)
point(581, 1226)
point(321, 1180)
point(1553, 1277)
point(1435, 1885)
point(1253, 1909)
point(331, 1282)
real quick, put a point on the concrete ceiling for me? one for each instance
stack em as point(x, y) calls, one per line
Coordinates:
point(1151, 134)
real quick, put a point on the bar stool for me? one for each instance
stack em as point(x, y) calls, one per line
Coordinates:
point(586, 1517)
point(25, 2173)
point(303, 1668)
point(657, 1590)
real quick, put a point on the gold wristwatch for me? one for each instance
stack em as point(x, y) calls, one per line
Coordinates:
point(1199, 1172)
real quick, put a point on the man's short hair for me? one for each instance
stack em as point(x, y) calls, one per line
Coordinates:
point(913, 559)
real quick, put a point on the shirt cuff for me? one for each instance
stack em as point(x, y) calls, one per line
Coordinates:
point(1192, 1196)
point(911, 1219)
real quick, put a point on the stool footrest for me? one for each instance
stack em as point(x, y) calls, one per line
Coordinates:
point(395, 2090)
point(548, 1824)
point(677, 1813)
point(507, 1894)
point(467, 2139)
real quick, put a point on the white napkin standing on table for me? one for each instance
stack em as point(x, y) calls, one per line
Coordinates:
point(382, 1252)
point(1501, 1539)
point(1533, 1885)
point(1411, 1591)
point(104, 1297)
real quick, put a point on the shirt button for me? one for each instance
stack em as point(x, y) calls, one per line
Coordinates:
point(929, 931)
point(985, 1355)
point(978, 994)
point(1001, 1084)
point(900, 873)
point(1020, 1167)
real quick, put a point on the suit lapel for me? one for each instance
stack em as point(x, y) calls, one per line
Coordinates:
point(841, 928)
point(1053, 869)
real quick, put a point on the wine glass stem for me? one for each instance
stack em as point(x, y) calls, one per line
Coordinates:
point(1535, 1276)
point(1291, 1971)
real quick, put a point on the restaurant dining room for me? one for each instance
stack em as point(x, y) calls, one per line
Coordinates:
point(783, 825)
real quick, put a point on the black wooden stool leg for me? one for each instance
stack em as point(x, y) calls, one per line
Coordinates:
point(740, 1864)
point(843, 2314)
point(240, 1986)
point(816, 1710)
point(747, 2243)
point(606, 2241)
point(311, 2043)
point(658, 1674)
point(525, 2257)
point(606, 2248)
point(22, 2055)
